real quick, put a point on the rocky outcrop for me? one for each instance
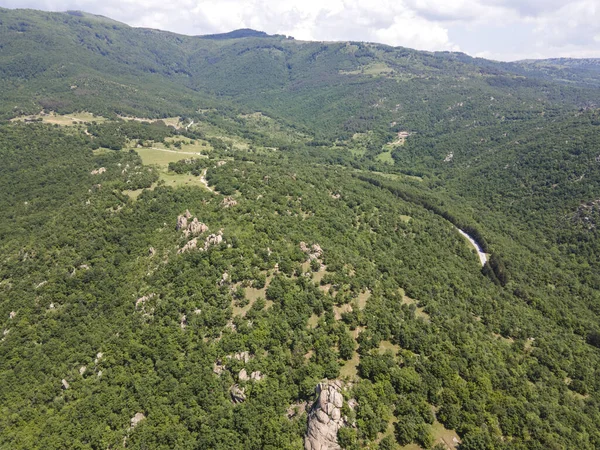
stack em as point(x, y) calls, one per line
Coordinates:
point(189, 246)
point(195, 227)
point(65, 384)
point(228, 202)
point(314, 251)
point(98, 171)
point(325, 418)
point(135, 420)
point(181, 223)
point(257, 376)
point(212, 240)
point(243, 375)
point(237, 394)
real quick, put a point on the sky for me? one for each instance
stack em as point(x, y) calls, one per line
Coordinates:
point(504, 30)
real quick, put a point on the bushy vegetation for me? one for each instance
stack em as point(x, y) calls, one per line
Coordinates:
point(95, 290)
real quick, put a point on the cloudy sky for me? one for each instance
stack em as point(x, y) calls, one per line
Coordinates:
point(497, 29)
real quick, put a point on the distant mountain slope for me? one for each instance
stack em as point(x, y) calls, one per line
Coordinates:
point(70, 61)
point(236, 34)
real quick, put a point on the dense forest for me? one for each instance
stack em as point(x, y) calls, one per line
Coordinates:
point(202, 235)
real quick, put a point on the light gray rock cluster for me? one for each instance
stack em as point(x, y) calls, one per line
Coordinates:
point(325, 418)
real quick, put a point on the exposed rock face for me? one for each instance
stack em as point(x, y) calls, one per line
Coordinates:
point(181, 223)
point(151, 252)
point(189, 246)
point(325, 418)
point(314, 252)
point(237, 394)
point(229, 202)
point(257, 376)
point(243, 375)
point(195, 227)
point(65, 384)
point(12, 315)
point(137, 419)
point(98, 171)
point(213, 239)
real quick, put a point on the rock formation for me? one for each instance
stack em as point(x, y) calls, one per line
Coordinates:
point(181, 223)
point(257, 376)
point(135, 420)
point(65, 384)
point(188, 246)
point(314, 252)
point(325, 418)
point(243, 375)
point(213, 239)
point(229, 202)
point(195, 227)
point(237, 394)
point(98, 171)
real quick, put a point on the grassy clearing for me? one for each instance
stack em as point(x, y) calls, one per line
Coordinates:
point(405, 218)
point(339, 310)
point(362, 299)
point(176, 180)
point(63, 119)
point(378, 68)
point(384, 346)
point(443, 436)
point(162, 157)
point(350, 368)
point(134, 194)
point(386, 157)
point(313, 321)
point(170, 121)
point(420, 312)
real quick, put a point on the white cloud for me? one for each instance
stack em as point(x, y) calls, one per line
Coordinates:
point(553, 27)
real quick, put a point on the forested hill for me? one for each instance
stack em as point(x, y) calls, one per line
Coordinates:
point(246, 241)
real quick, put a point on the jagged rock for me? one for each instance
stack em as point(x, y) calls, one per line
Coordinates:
point(237, 394)
point(189, 246)
point(82, 370)
point(229, 202)
point(151, 252)
point(324, 418)
point(224, 279)
point(257, 376)
point(195, 227)
point(212, 240)
point(65, 384)
point(135, 420)
point(12, 315)
point(240, 356)
point(243, 375)
point(98, 357)
point(197, 311)
point(181, 223)
point(221, 163)
point(314, 252)
point(187, 214)
point(218, 367)
point(183, 322)
point(98, 171)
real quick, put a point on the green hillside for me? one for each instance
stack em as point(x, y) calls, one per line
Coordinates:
point(197, 231)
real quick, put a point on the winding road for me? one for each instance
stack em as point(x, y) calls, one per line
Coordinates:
point(480, 252)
